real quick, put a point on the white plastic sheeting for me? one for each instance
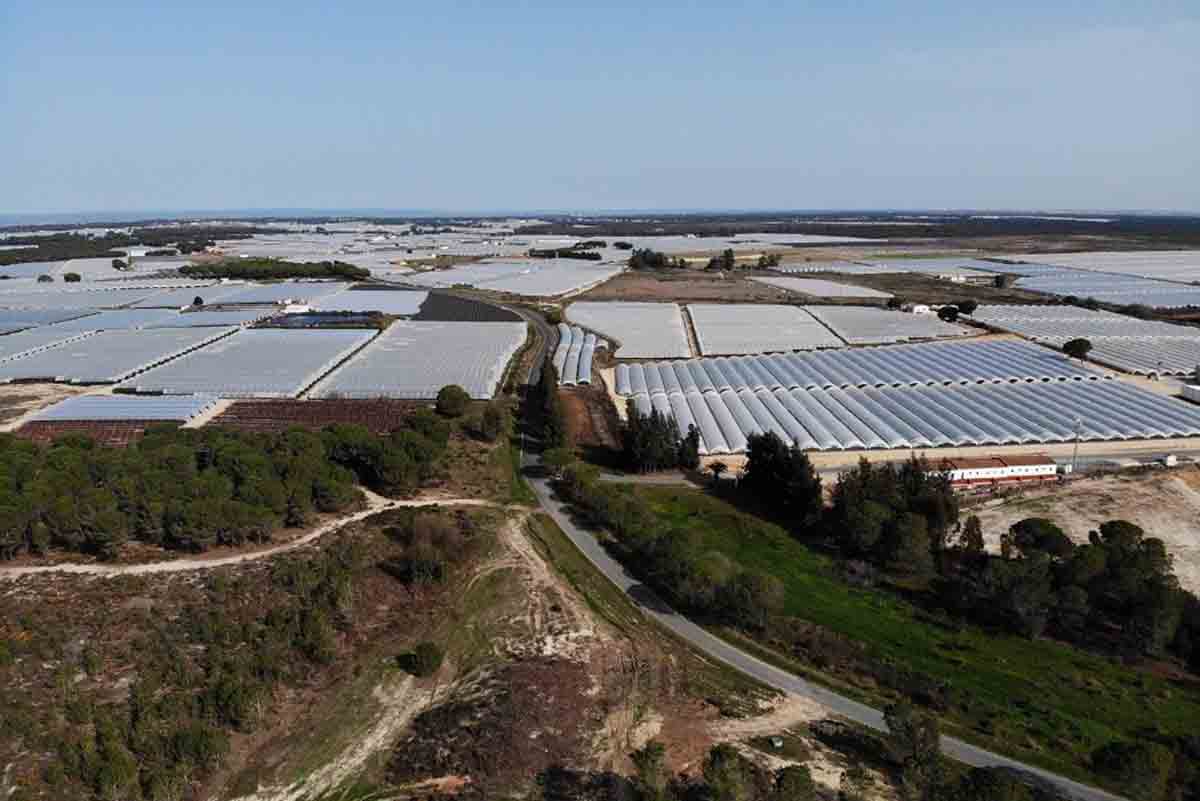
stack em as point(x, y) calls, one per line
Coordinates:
point(820, 288)
point(254, 363)
point(116, 319)
point(1142, 347)
point(108, 356)
point(195, 319)
point(574, 354)
point(739, 328)
point(643, 330)
point(396, 302)
point(416, 359)
point(992, 361)
point(530, 277)
point(128, 407)
point(867, 325)
point(13, 346)
point(284, 292)
point(928, 416)
point(1108, 287)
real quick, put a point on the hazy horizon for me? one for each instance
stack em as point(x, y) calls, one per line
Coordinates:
point(464, 109)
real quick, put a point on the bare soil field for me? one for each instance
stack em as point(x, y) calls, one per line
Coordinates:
point(113, 433)
point(1164, 503)
point(916, 288)
point(17, 400)
point(380, 416)
point(684, 285)
point(591, 419)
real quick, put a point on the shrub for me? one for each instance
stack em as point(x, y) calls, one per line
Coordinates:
point(452, 401)
point(422, 661)
point(72, 278)
point(45, 279)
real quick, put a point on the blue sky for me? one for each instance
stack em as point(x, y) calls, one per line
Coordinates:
point(474, 106)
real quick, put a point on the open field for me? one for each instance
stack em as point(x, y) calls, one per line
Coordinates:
point(113, 433)
point(18, 400)
point(684, 285)
point(1164, 503)
point(1046, 702)
point(380, 415)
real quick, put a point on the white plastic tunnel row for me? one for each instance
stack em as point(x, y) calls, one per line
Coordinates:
point(898, 365)
point(574, 354)
point(925, 416)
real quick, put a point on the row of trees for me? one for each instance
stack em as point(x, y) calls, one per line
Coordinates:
point(191, 489)
point(653, 442)
point(548, 409)
point(1116, 592)
point(272, 269)
point(647, 259)
point(672, 561)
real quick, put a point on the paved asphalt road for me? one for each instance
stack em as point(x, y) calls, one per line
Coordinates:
point(768, 674)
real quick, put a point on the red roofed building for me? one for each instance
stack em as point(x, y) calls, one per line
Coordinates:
point(970, 472)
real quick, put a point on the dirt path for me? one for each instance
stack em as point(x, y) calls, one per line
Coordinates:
point(398, 703)
point(375, 504)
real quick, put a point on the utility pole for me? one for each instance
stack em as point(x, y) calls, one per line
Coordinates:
point(1075, 454)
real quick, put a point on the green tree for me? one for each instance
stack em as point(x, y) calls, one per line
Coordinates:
point(794, 783)
point(718, 469)
point(1141, 769)
point(948, 314)
point(726, 775)
point(1077, 348)
point(452, 401)
point(72, 278)
point(971, 538)
point(650, 767)
point(855, 784)
point(967, 307)
point(914, 744)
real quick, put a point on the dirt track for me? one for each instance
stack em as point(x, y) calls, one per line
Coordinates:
point(375, 504)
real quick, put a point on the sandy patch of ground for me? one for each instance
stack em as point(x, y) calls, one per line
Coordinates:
point(788, 717)
point(19, 401)
point(1166, 504)
point(398, 703)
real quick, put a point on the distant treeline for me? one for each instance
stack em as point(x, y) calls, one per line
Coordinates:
point(267, 269)
point(62, 246)
point(1145, 231)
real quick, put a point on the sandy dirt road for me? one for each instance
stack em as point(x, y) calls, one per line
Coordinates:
point(375, 504)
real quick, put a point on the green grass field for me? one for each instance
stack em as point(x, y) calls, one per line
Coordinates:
point(1041, 700)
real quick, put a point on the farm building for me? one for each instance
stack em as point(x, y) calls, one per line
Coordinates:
point(968, 472)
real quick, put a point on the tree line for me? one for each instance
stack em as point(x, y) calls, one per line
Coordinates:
point(653, 442)
point(1117, 592)
point(274, 269)
point(647, 259)
point(191, 489)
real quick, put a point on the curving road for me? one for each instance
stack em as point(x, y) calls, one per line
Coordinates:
point(716, 648)
point(770, 675)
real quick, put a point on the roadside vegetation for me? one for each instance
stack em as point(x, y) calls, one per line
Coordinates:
point(192, 489)
point(259, 269)
point(887, 595)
